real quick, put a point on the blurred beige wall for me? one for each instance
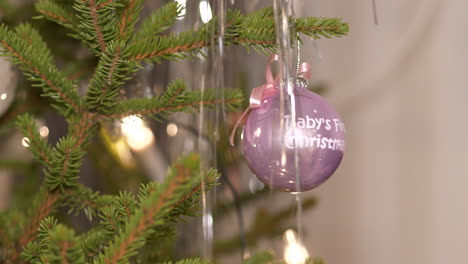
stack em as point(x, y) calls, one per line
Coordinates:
point(401, 87)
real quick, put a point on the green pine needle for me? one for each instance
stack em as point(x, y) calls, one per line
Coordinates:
point(66, 162)
point(190, 261)
point(38, 69)
point(181, 179)
point(83, 199)
point(159, 21)
point(113, 69)
point(58, 244)
point(97, 22)
point(55, 12)
point(128, 18)
point(38, 147)
point(176, 98)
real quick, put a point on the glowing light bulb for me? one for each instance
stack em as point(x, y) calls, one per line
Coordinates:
point(138, 135)
point(182, 4)
point(3, 96)
point(294, 251)
point(130, 124)
point(205, 11)
point(44, 131)
point(25, 142)
point(172, 129)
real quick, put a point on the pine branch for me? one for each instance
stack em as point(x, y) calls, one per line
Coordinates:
point(256, 30)
point(84, 199)
point(66, 162)
point(55, 12)
point(115, 215)
point(40, 250)
point(177, 98)
point(108, 2)
point(93, 242)
point(179, 180)
point(58, 243)
point(32, 253)
point(41, 209)
point(11, 223)
point(188, 205)
point(82, 128)
point(35, 40)
point(125, 206)
point(109, 219)
point(112, 70)
point(129, 17)
point(171, 47)
point(97, 22)
point(39, 71)
point(159, 21)
point(38, 147)
point(316, 27)
point(190, 261)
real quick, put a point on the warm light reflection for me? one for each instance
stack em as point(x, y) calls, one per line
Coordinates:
point(124, 153)
point(294, 251)
point(258, 132)
point(138, 135)
point(44, 131)
point(3, 96)
point(172, 129)
point(205, 11)
point(25, 142)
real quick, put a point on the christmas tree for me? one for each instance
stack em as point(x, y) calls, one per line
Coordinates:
point(125, 226)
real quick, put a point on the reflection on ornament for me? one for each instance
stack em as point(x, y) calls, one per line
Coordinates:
point(205, 11)
point(3, 96)
point(25, 142)
point(294, 251)
point(172, 130)
point(44, 131)
point(138, 135)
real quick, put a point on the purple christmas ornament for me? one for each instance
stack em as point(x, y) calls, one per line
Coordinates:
point(272, 140)
point(270, 149)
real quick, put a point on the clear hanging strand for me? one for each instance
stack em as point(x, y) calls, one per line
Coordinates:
point(204, 15)
point(283, 10)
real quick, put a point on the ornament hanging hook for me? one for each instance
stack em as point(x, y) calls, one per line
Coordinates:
point(267, 89)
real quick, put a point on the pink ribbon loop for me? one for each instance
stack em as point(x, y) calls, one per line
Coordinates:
point(261, 92)
point(305, 71)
